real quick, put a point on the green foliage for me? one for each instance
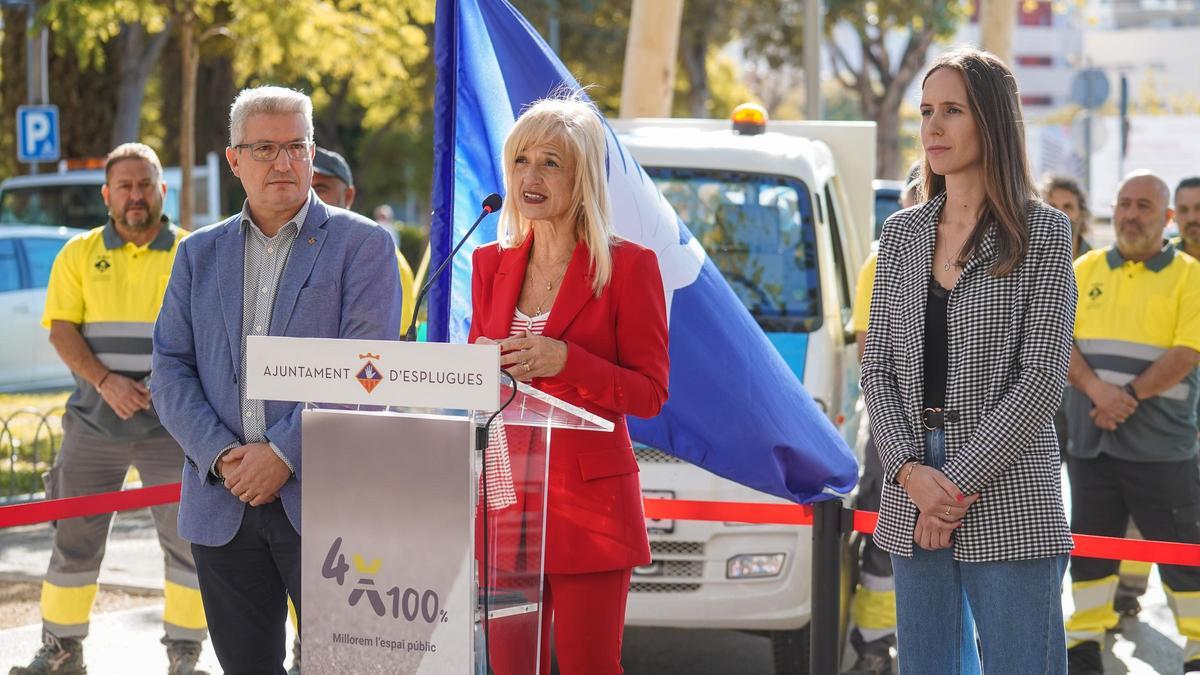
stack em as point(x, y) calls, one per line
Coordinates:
point(366, 63)
point(591, 42)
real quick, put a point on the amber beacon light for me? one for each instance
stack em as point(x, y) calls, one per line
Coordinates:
point(749, 119)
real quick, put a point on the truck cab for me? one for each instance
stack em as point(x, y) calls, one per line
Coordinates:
point(784, 210)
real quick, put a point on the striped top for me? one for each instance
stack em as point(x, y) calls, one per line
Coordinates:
point(522, 323)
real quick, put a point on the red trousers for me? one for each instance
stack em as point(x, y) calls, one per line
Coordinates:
point(588, 613)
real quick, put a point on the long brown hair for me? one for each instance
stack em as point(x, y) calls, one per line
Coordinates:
point(1008, 187)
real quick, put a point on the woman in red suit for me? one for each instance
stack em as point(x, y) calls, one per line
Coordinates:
point(580, 314)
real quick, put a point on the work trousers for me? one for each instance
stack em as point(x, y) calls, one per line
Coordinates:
point(874, 606)
point(88, 464)
point(1163, 499)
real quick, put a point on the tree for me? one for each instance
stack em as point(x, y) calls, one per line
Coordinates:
point(84, 91)
point(707, 26)
point(892, 40)
point(364, 51)
point(138, 52)
point(592, 42)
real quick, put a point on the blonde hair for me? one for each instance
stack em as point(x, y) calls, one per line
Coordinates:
point(575, 123)
point(268, 100)
point(134, 151)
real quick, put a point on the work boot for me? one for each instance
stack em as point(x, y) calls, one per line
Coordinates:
point(182, 656)
point(1126, 604)
point(872, 664)
point(874, 657)
point(295, 669)
point(1084, 659)
point(58, 656)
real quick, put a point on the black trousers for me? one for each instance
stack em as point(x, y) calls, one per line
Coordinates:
point(1163, 498)
point(245, 586)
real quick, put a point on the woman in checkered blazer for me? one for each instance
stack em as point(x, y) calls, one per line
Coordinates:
point(966, 358)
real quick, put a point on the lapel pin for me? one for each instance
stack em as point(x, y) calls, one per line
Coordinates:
point(312, 240)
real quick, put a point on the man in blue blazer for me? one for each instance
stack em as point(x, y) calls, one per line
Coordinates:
point(286, 265)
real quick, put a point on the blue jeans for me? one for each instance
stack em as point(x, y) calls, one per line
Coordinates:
point(1014, 606)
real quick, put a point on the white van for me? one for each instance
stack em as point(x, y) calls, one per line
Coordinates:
point(784, 210)
point(71, 198)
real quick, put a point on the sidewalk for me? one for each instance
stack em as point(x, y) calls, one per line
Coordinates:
point(123, 642)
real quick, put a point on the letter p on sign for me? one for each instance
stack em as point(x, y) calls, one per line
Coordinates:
point(37, 133)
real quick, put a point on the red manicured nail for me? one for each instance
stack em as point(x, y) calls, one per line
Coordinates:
point(959, 497)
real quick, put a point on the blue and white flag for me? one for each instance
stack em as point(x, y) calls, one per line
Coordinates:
point(734, 407)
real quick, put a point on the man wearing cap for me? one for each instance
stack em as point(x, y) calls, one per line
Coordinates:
point(1131, 414)
point(334, 184)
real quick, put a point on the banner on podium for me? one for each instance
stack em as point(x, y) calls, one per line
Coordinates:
point(373, 372)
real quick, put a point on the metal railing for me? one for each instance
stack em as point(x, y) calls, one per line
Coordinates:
point(29, 438)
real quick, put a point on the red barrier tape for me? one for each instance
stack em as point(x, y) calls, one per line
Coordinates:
point(90, 505)
point(1086, 546)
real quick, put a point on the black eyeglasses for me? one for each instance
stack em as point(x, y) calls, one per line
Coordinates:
point(267, 152)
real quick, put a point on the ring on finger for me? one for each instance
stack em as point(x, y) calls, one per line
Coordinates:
point(525, 365)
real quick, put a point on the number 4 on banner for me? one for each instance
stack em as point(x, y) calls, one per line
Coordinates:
point(335, 566)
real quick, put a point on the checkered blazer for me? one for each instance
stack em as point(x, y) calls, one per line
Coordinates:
point(1009, 346)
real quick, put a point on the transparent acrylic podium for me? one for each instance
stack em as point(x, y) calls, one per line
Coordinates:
point(402, 572)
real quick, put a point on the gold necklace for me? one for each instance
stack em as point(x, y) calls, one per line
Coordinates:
point(951, 261)
point(549, 285)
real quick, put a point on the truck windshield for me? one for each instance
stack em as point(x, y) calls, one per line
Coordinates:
point(758, 230)
point(78, 206)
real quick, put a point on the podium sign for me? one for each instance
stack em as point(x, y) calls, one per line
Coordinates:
point(388, 558)
point(373, 372)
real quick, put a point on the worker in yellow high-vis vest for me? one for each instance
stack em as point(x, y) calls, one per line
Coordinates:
point(105, 291)
point(1131, 415)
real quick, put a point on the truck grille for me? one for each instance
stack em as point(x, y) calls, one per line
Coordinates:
point(653, 456)
point(642, 587)
point(683, 568)
point(667, 547)
point(667, 553)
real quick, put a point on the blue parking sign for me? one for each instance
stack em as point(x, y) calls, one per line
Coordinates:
point(37, 133)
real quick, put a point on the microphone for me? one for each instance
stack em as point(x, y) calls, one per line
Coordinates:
point(491, 204)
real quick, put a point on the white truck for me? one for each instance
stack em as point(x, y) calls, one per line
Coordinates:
point(784, 209)
point(71, 197)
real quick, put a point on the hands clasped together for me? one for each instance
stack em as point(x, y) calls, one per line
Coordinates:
point(1111, 405)
point(253, 473)
point(531, 355)
point(941, 504)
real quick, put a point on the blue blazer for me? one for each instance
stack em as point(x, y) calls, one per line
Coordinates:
point(340, 281)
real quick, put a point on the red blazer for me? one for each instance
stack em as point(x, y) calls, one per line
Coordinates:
point(617, 365)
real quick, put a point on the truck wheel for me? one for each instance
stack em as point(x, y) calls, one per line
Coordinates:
point(789, 649)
